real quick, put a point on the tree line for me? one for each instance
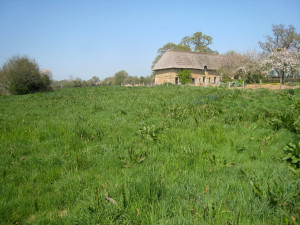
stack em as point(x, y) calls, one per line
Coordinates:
point(280, 56)
point(22, 75)
point(120, 78)
point(123, 78)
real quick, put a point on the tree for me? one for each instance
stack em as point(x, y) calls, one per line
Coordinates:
point(282, 50)
point(131, 80)
point(21, 75)
point(47, 77)
point(230, 63)
point(3, 84)
point(186, 41)
point(142, 79)
point(284, 62)
point(297, 42)
point(200, 42)
point(149, 80)
point(119, 77)
point(47, 72)
point(108, 81)
point(283, 38)
point(184, 76)
point(94, 81)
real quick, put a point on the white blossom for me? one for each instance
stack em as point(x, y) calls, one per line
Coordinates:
point(283, 61)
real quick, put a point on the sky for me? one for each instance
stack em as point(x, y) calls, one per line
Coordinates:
point(99, 38)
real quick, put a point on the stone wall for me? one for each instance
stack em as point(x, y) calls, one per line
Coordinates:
point(199, 77)
point(165, 76)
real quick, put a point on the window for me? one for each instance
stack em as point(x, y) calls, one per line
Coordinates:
point(176, 80)
point(205, 70)
point(203, 79)
point(215, 80)
point(209, 80)
point(193, 80)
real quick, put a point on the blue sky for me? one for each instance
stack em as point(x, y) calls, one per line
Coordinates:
point(99, 38)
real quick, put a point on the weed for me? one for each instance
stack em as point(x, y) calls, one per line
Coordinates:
point(179, 112)
point(292, 156)
point(149, 133)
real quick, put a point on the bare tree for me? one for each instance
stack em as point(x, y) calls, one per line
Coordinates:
point(282, 38)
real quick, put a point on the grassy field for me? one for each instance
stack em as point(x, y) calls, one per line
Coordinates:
point(156, 155)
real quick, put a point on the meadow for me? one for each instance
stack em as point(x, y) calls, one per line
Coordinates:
point(150, 155)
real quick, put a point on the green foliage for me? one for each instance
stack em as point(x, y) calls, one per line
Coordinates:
point(179, 112)
point(184, 76)
point(21, 75)
point(292, 152)
point(235, 84)
point(148, 155)
point(119, 77)
point(288, 119)
point(200, 42)
point(271, 195)
point(149, 132)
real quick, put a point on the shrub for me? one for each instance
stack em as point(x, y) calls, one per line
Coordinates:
point(235, 84)
point(21, 75)
point(287, 119)
point(184, 76)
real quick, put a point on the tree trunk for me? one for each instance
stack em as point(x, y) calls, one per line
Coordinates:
point(281, 76)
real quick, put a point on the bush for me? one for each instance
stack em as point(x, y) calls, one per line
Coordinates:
point(21, 75)
point(235, 84)
point(184, 76)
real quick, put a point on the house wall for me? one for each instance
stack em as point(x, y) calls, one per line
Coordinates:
point(165, 76)
point(169, 75)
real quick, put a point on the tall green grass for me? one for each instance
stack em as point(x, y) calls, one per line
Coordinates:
point(156, 155)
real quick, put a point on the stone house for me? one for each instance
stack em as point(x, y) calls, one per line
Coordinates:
point(203, 67)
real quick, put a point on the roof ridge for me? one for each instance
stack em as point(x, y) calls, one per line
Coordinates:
point(190, 52)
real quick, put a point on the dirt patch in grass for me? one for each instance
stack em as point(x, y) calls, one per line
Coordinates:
point(62, 213)
point(269, 86)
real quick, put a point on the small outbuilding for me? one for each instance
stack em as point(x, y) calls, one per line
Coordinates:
point(203, 67)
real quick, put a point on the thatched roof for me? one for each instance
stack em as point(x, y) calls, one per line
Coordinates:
point(187, 60)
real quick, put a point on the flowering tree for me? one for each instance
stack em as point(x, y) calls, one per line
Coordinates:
point(282, 61)
point(229, 64)
point(250, 69)
point(245, 66)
